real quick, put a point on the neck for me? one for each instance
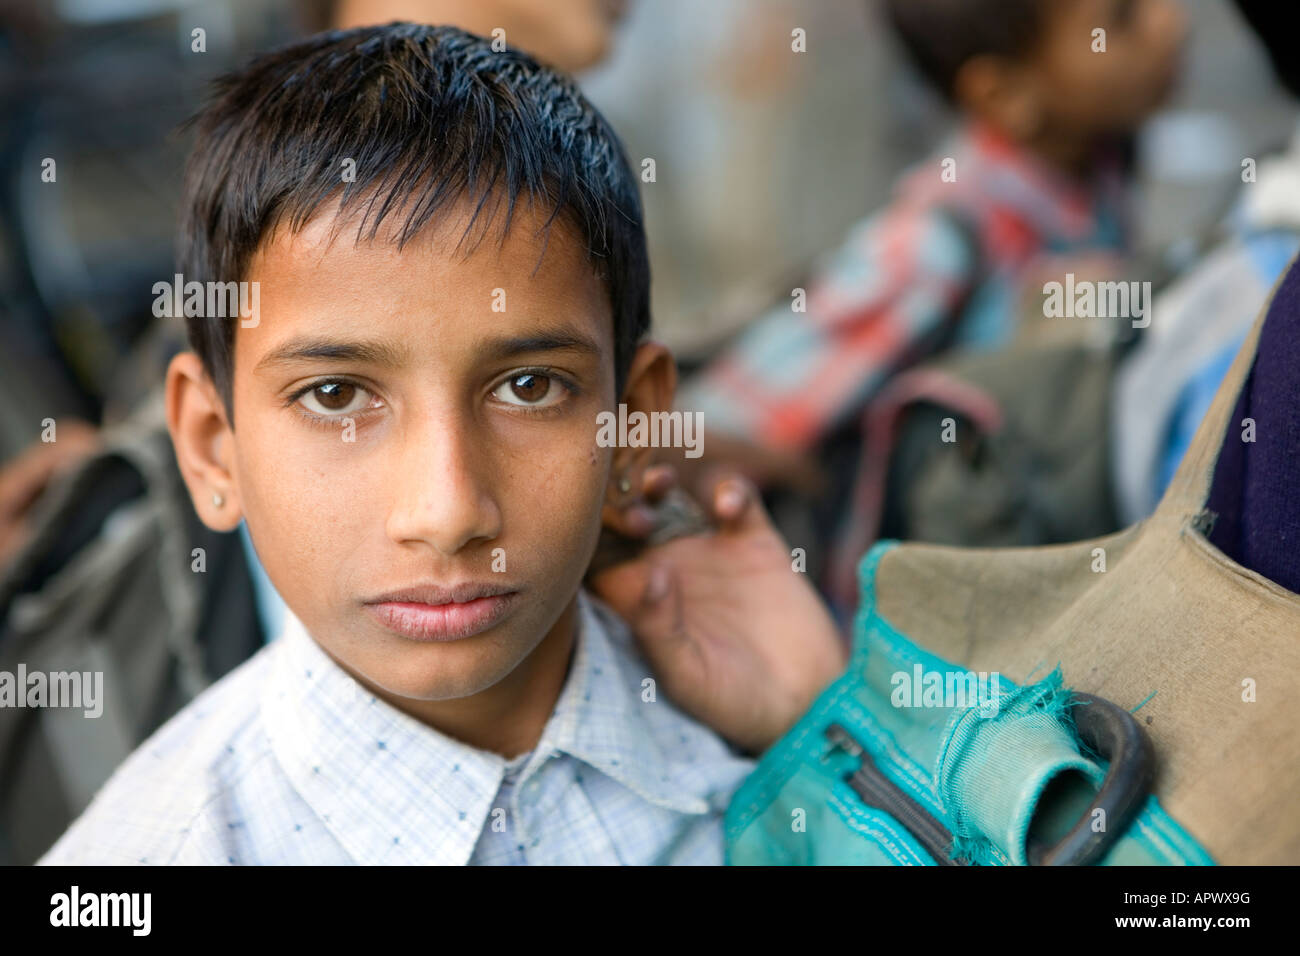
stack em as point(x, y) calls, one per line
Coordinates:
point(1070, 159)
point(1065, 152)
point(507, 718)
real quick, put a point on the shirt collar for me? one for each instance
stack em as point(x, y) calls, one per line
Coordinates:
point(600, 717)
point(390, 789)
point(393, 790)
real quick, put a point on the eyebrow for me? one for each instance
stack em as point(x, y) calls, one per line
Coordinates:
point(555, 340)
point(305, 350)
point(388, 356)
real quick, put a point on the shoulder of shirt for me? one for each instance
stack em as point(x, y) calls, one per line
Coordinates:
point(917, 232)
point(162, 790)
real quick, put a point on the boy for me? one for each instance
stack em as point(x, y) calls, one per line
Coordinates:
point(452, 284)
point(1043, 99)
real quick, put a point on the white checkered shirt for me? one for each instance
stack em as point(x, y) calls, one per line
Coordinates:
point(288, 760)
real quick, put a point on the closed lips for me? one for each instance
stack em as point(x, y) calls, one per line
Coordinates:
point(436, 613)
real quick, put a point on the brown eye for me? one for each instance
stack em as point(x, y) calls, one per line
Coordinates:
point(531, 389)
point(335, 398)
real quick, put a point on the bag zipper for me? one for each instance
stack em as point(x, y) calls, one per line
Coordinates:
point(879, 792)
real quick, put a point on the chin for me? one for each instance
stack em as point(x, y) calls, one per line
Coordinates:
point(417, 671)
point(443, 686)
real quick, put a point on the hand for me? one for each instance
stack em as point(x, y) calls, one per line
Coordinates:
point(736, 637)
point(24, 479)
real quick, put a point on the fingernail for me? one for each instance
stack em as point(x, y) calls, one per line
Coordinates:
point(657, 584)
point(641, 519)
point(730, 499)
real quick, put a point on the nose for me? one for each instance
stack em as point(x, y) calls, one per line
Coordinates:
point(442, 490)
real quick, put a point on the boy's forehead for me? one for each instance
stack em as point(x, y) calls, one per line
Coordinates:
point(329, 276)
point(332, 239)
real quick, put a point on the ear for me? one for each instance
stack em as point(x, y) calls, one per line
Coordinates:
point(203, 441)
point(1003, 93)
point(651, 386)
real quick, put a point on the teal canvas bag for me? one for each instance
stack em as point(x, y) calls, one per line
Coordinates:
point(911, 760)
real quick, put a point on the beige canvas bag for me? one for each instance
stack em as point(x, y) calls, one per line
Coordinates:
point(1206, 651)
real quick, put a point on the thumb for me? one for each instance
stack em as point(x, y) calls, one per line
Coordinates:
point(648, 595)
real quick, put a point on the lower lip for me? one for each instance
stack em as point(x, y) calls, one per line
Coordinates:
point(442, 622)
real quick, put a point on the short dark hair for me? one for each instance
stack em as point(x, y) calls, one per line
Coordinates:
point(940, 36)
point(432, 116)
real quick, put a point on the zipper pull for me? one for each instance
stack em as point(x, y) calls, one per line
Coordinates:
point(880, 793)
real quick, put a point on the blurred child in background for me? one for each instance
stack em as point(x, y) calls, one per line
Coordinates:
point(1031, 184)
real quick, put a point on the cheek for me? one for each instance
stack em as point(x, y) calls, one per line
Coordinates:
point(1087, 92)
point(304, 496)
point(1128, 72)
point(552, 496)
point(551, 500)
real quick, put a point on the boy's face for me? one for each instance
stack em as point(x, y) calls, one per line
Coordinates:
point(1092, 92)
point(414, 429)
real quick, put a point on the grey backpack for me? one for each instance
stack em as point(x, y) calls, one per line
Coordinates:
point(119, 580)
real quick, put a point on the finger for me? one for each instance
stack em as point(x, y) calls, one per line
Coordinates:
point(660, 622)
point(730, 499)
point(658, 584)
point(24, 479)
point(621, 586)
point(633, 519)
point(657, 481)
point(638, 520)
point(648, 596)
point(13, 536)
point(735, 502)
point(637, 517)
point(22, 482)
